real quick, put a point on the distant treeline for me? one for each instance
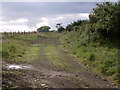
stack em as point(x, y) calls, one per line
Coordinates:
point(19, 32)
point(26, 32)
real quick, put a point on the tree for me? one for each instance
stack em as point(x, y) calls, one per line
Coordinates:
point(43, 29)
point(69, 27)
point(59, 27)
point(105, 20)
point(74, 26)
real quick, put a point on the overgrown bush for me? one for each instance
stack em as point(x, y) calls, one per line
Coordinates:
point(105, 20)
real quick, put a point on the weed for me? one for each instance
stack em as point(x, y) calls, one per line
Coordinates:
point(101, 58)
point(92, 57)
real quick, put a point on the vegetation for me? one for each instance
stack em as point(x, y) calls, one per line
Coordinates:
point(105, 20)
point(43, 29)
point(96, 41)
point(74, 25)
point(59, 27)
point(60, 59)
point(54, 57)
point(17, 47)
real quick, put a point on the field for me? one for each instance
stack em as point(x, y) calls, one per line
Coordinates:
point(41, 60)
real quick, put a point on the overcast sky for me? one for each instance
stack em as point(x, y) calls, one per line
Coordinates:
point(28, 16)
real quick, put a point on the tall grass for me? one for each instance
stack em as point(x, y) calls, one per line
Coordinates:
point(13, 48)
point(16, 47)
point(102, 59)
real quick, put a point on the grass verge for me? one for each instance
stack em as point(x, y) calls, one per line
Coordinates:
point(101, 59)
point(17, 49)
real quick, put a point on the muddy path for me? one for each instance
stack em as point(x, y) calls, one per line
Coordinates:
point(68, 72)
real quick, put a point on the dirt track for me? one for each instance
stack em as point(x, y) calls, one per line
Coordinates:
point(42, 74)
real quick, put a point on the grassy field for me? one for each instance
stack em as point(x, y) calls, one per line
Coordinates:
point(21, 47)
point(58, 52)
point(101, 59)
point(17, 47)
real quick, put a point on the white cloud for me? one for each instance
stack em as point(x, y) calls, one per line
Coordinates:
point(84, 15)
point(15, 28)
point(21, 20)
point(2, 22)
point(42, 24)
point(0, 18)
point(21, 24)
point(57, 0)
point(64, 19)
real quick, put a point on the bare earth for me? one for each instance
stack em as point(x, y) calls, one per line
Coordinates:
point(41, 74)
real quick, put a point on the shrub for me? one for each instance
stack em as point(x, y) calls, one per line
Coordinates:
point(107, 68)
point(5, 54)
point(12, 49)
point(92, 57)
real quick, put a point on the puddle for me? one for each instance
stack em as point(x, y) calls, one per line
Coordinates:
point(44, 85)
point(14, 67)
point(9, 66)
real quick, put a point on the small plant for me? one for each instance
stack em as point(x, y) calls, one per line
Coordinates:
point(92, 57)
point(85, 50)
point(19, 55)
point(5, 54)
point(107, 70)
point(13, 49)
